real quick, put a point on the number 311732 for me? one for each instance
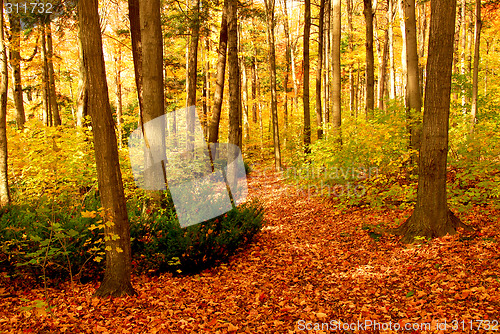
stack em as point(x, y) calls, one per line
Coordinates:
point(28, 7)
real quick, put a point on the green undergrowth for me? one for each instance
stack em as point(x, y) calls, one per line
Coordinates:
point(374, 167)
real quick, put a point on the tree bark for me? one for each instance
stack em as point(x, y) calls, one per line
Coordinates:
point(135, 37)
point(54, 108)
point(4, 86)
point(46, 106)
point(319, 68)
point(213, 136)
point(15, 63)
point(390, 31)
point(118, 266)
point(192, 74)
point(370, 76)
point(305, 93)
point(336, 81)
point(413, 99)
point(431, 216)
point(272, 68)
point(82, 100)
point(475, 68)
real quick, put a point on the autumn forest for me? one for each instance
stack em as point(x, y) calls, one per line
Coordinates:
point(249, 166)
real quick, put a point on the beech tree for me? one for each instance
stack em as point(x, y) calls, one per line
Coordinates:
point(319, 68)
point(431, 216)
point(118, 254)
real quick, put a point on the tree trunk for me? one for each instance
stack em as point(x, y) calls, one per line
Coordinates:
point(192, 75)
point(54, 108)
point(352, 88)
point(319, 68)
point(118, 267)
point(119, 102)
point(272, 68)
point(413, 99)
point(336, 81)
point(305, 93)
point(244, 99)
point(390, 31)
point(47, 114)
point(475, 68)
point(383, 74)
point(15, 63)
point(213, 136)
point(431, 216)
point(403, 50)
point(4, 86)
point(234, 78)
point(463, 38)
point(82, 100)
point(206, 88)
point(135, 36)
point(370, 76)
point(254, 90)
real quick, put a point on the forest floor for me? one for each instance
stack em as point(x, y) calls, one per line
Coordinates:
point(311, 269)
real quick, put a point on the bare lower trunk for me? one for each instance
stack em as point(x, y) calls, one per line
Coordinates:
point(370, 77)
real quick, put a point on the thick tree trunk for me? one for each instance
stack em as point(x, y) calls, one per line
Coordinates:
point(336, 81)
point(272, 69)
point(319, 68)
point(4, 86)
point(54, 108)
point(305, 93)
point(413, 99)
point(15, 63)
point(475, 68)
point(431, 216)
point(213, 136)
point(370, 76)
point(118, 267)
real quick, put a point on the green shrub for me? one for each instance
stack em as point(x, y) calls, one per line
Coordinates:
point(162, 245)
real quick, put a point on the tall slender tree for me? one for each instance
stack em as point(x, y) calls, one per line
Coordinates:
point(117, 275)
point(370, 63)
point(336, 85)
point(4, 85)
point(15, 63)
point(475, 68)
point(305, 67)
point(431, 216)
point(272, 67)
point(213, 135)
point(413, 99)
point(319, 69)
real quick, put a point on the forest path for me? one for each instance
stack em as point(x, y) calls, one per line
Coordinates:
point(310, 264)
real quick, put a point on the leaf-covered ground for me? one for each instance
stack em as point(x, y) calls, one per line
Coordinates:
point(311, 267)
